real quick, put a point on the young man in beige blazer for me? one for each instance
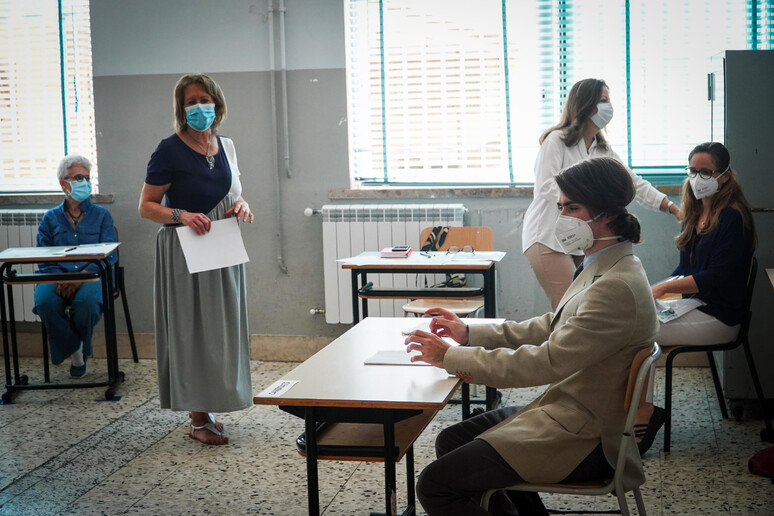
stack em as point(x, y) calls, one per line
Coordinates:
point(584, 351)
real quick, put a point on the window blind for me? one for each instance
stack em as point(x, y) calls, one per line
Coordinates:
point(450, 92)
point(46, 97)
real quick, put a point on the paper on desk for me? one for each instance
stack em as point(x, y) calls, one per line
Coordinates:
point(278, 388)
point(493, 256)
point(221, 247)
point(90, 249)
point(393, 357)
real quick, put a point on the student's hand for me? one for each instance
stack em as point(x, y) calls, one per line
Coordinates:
point(432, 348)
point(659, 290)
point(447, 324)
point(67, 291)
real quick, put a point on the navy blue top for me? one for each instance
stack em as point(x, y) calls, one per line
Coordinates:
point(192, 185)
point(95, 227)
point(719, 263)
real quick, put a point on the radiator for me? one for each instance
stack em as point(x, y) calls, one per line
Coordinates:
point(348, 230)
point(19, 228)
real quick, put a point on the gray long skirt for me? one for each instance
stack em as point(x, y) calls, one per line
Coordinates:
point(202, 336)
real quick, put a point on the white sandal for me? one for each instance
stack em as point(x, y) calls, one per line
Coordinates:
point(209, 425)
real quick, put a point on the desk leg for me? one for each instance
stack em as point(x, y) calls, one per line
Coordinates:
point(391, 502)
point(410, 490)
point(313, 493)
point(355, 308)
point(490, 310)
point(465, 395)
point(6, 354)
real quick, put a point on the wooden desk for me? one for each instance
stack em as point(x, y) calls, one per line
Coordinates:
point(95, 253)
point(428, 263)
point(355, 400)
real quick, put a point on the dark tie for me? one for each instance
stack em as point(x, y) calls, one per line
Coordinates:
point(578, 271)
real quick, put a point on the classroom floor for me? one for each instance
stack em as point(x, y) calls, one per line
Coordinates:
point(64, 452)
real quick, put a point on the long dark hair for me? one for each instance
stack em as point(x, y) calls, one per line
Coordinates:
point(604, 186)
point(730, 194)
point(580, 104)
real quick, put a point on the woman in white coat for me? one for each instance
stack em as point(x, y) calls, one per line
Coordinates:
point(577, 137)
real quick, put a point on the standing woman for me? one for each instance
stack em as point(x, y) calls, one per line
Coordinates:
point(716, 248)
point(575, 138)
point(202, 336)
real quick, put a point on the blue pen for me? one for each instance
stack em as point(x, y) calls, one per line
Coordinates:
point(71, 248)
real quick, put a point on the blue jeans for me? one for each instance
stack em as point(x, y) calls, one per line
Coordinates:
point(65, 333)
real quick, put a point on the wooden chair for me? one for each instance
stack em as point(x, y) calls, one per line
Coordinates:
point(767, 434)
point(480, 238)
point(638, 378)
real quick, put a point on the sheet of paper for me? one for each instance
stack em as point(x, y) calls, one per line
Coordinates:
point(674, 309)
point(393, 357)
point(278, 388)
point(221, 247)
point(424, 326)
point(89, 249)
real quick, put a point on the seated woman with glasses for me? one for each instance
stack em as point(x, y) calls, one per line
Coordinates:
point(716, 248)
point(76, 221)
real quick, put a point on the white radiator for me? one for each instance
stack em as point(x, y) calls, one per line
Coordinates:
point(348, 230)
point(19, 228)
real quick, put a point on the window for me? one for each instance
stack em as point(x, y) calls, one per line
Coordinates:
point(46, 99)
point(445, 92)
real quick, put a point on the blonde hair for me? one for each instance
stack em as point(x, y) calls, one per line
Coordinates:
point(578, 108)
point(212, 89)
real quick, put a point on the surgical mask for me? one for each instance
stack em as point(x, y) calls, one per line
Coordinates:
point(80, 190)
point(603, 115)
point(200, 116)
point(705, 187)
point(575, 234)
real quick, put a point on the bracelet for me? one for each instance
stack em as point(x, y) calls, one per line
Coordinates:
point(669, 207)
point(176, 215)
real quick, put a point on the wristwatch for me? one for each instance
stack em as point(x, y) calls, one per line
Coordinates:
point(176, 215)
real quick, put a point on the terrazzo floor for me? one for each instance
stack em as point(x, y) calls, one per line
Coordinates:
point(63, 452)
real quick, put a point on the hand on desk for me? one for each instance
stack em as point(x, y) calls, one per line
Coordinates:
point(431, 346)
point(67, 291)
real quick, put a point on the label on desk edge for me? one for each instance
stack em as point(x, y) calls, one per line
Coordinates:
point(278, 388)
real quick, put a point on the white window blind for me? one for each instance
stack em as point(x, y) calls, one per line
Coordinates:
point(46, 97)
point(453, 91)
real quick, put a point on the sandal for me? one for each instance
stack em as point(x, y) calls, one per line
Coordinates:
point(645, 434)
point(211, 426)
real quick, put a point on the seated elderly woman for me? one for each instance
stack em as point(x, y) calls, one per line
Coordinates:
point(76, 221)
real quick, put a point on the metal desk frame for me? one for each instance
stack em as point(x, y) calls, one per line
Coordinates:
point(8, 277)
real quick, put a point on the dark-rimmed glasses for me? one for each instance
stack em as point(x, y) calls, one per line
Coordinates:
point(454, 249)
point(79, 177)
point(704, 173)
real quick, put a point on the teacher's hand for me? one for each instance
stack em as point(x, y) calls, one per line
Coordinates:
point(447, 324)
point(241, 210)
point(432, 348)
point(199, 222)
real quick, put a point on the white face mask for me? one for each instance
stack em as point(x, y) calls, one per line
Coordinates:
point(603, 115)
point(705, 187)
point(575, 234)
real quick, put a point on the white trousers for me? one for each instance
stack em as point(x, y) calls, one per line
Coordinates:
point(692, 329)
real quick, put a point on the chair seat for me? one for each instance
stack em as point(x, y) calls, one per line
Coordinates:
point(460, 307)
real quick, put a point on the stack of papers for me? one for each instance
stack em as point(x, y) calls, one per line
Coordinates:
point(395, 252)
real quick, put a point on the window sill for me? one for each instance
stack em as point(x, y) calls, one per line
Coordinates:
point(51, 199)
point(454, 192)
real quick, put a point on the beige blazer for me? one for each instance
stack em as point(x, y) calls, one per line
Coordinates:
point(584, 351)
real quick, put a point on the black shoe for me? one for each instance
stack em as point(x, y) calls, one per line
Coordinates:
point(647, 433)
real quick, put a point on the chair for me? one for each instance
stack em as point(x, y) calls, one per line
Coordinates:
point(767, 434)
point(638, 377)
point(481, 239)
point(119, 289)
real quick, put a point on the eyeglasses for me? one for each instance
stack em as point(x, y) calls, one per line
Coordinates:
point(704, 173)
point(453, 249)
point(79, 177)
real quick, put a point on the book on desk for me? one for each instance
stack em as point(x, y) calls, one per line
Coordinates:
point(402, 251)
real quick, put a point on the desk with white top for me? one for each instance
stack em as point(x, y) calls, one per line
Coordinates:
point(93, 253)
point(351, 409)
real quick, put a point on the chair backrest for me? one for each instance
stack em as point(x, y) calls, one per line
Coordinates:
point(480, 237)
point(751, 280)
point(639, 374)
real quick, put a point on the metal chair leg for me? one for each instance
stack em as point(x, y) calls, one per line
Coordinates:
point(125, 303)
point(668, 401)
point(46, 372)
point(718, 387)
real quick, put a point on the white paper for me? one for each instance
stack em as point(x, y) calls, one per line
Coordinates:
point(221, 247)
point(90, 249)
point(393, 357)
point(424, 326)
point(424, 258)
point(669, 310)
point(278, 388)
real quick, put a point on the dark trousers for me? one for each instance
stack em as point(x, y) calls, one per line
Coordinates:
point(466, 467)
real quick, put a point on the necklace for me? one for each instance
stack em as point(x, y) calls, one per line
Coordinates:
point(210, 159)
point(73, 218)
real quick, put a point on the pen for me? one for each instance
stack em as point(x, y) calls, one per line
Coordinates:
point(426, 255)
point(71, 248)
